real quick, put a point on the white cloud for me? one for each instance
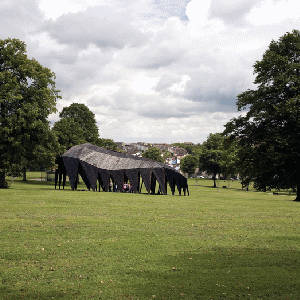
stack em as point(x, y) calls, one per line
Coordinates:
point(272, 12)
point(232, 11)
point(18, 18)
point(102, 26)
point(180, 86)
point(142, 84)
point(150, 70)
point(65, 6)
point(198, 11)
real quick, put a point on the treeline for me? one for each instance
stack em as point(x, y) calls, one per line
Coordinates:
point(263, 143)
point(214, 156)
point(28, 96)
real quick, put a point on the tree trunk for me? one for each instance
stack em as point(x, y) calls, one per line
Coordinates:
point(24, 174)
point(298, 182)
point(298, 193)
point(214, 178)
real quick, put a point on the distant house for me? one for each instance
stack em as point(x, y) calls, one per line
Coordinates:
point(141, 146)
point(120, 145)
point(178, 151)
point(162, 147)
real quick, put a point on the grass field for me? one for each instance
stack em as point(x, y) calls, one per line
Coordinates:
point(219, 243)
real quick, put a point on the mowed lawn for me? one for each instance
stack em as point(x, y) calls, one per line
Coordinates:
point(216, 243)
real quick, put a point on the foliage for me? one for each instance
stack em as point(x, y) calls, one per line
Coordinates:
point(78, 126)
point(269, 133)
point(211, 245)
point(166, 154)
point(211, 155)
point(107, 144)
point(229, 162)
point(191, 149)
point(27, 97)
point(188, 164)
point(154, 154)
point(69, 133)
point(82, 115)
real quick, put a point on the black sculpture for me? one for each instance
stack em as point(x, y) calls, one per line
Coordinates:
point(94, 164)
point(60, 172)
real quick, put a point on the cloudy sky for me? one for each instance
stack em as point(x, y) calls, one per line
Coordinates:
point(150, 70)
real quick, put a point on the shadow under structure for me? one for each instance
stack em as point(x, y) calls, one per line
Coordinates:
point(108, 170)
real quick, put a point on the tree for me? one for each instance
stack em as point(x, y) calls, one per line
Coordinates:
point(27, 97)
point(69, 133)
point(188, 164)
point(211, 155)
point(81, 114)
point(229, 162)
point(191, 149)
point(107, 144)
point(78, 126)
point(269, 133)
point(154, 154)
point(166, 154)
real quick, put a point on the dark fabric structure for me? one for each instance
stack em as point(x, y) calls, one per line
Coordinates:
point(95, 164)
point(60, 172)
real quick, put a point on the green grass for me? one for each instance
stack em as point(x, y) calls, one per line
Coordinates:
point(216, 243)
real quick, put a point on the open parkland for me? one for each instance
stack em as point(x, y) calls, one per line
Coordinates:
point(216, 243)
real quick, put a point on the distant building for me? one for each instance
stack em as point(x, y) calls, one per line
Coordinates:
point(162, 147)
point(120, 145)
point(137, 149)
point(178, 152)
point(141, 146)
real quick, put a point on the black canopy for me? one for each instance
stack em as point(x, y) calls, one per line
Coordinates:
point(94, 164)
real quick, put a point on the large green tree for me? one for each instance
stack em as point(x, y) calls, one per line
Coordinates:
point(211, 155)
point(229, 161)
point(27, 96)
point(69, 133)
point(82, 115)
point(154, 154)
point(77, 126)
point(269, 132)
point(188, 164)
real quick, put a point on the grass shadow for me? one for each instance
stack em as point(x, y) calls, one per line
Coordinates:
point(221, 273)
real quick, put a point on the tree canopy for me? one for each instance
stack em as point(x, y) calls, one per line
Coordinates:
point(27, 96)
point(211, 155)
point(78, 126)
point(154, 154)
point(69, 133)
point(229, 161)
point(191, 149)
point(82, 115)
point(107, 144)
point(269, 132)
point(188, 164)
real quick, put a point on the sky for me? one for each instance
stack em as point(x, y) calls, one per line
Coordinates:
point(155, 71)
